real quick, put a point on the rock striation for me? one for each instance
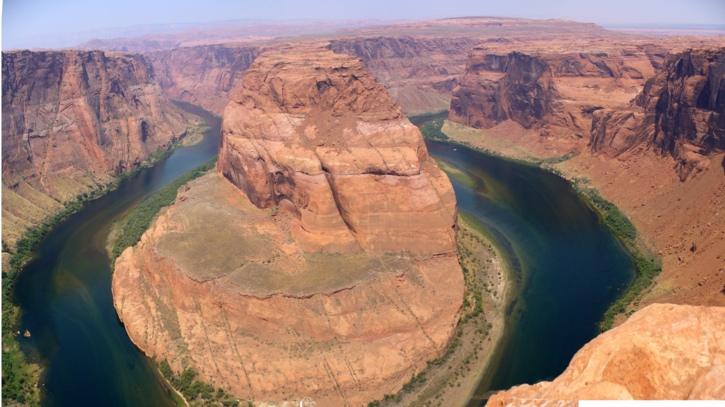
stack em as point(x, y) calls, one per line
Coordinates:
point(319, 261)
point(71, 121)
point(680, 112)
point(326, 141)
point(204, 75)
point(552, 92)
point(662, 352)
point(419, 72)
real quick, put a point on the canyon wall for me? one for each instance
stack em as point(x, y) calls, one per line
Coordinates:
point(640, 122)
point(552, 92)
point(419, 72)
point(680, 112)
point(204, 75)
point(319, 260)
point(662, 352)
point(72, 120)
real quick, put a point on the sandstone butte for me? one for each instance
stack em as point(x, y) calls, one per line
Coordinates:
point(663, 351)
point(318, 261)
point(72, 120)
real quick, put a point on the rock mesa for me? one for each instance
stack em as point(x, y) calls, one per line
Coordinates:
point(319, 261)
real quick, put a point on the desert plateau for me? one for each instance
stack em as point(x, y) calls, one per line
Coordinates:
point(306, 204)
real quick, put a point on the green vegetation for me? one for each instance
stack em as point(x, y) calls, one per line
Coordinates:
point(20, 376)
point(195, 391)
point(140, 217)
point(432, 130)
point(646, 264)
point(473, 328)
point(427, 117)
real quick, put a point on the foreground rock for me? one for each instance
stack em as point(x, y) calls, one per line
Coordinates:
point(71, 121)
point(663, 351)
point(326, 268)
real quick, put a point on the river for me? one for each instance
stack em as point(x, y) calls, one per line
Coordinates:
point(568, 268)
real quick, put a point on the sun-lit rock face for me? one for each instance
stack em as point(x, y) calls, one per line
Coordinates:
point(680, 112)
point(312, 132)
point(663, 351)
point(71, 121)
point(318, 261)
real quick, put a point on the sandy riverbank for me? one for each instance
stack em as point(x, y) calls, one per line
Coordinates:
point(452, 379)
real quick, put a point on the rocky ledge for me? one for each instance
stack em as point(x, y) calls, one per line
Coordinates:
point(662, 352)
point(319, 261)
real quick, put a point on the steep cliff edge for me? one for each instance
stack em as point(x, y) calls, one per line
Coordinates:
point(319, 261)
point(71, 121)
point(419, 72)
point(680, 112)
point(646, 150)
point(663, 351)
point(552, 92)
point(204, 75)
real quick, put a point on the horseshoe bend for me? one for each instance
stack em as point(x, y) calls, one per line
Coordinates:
point(318, 260)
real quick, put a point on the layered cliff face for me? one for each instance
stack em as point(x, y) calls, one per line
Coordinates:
point(554, 93)
point(496, 88)
point(680, 112)
point(662, 352)
point(203, 75)
point(419, 72)
point(326, 141)
point(319, 261)
point(71, 121)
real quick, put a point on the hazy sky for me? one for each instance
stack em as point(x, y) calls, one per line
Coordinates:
point(26, 21)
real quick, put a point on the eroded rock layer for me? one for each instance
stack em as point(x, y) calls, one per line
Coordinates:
point(311, 131)
point(326, 268)
point(662, 352)
point(554, 92)
point(680, 111)
point(72, 120)
point(204, 75)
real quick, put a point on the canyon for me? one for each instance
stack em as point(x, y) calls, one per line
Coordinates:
point(640, 125)
point(284, 275)
point(307, 284)
point(73, 120)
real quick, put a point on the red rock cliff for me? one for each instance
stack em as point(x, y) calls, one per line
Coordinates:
point(204, 75)
point(73, 119)
point(326, 268)
point(680, 112)
point(314, 132)
point(553, 92)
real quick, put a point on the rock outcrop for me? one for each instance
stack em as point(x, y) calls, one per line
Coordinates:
point(554, 93)
point(319, 261)
point(496, 88)
point(663, 351)
point(418, 71)
point(680, 112)
point(204, 75)
point(71, 121)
